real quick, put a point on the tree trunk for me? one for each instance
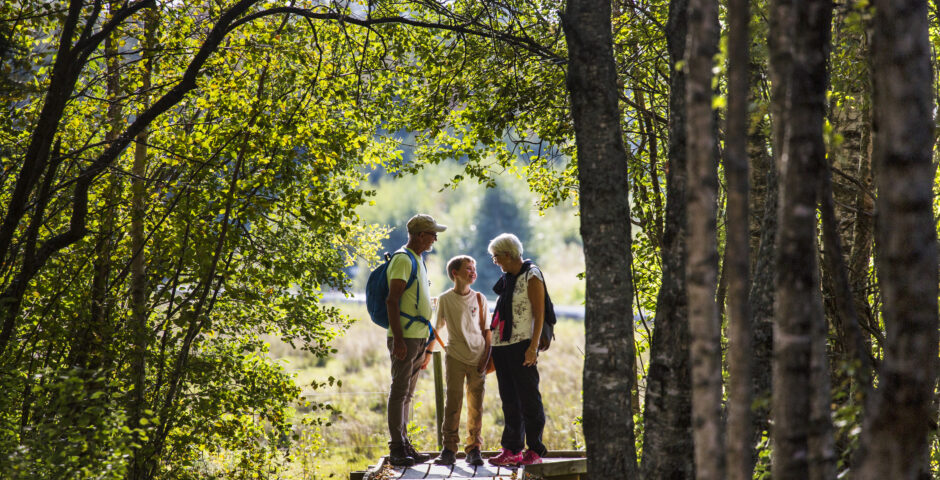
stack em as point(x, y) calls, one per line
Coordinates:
point(851, 79)
point(668, 452)
point(863, 235)
point(799, 441)
point(846, 319)
point(822, 448)
point(764, 228)
point(894, 436)
point(140, 334)
point(740, 441)
point(702, 268)
point(841, 211)
point(605, 229)
point(761, 297)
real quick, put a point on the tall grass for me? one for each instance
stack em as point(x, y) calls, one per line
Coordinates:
point(357, 435)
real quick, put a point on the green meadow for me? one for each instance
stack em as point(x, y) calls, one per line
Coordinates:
point(353, 434)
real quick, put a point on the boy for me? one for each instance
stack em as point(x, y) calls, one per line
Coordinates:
point(462, 314)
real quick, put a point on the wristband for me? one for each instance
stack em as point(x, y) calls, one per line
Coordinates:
point(429, 351)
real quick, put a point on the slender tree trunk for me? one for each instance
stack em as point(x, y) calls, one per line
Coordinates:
point(799, 442)
point(762, 296)
point(813, 52)
point(863, 235)
point(764, 228)
point(850, 64)
point(846, 318)
point(842, 214)
point(740, 444)
point(894, 435)
point(140, 334)
point(702, 268)
point(668, 452)
point(605, 228)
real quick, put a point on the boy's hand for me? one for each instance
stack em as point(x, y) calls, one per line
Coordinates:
point(427, 359)
point(481, 365)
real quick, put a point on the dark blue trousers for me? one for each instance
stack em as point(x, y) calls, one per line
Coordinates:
point(522, 403)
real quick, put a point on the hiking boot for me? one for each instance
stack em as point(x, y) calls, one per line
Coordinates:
point(447, 457)
point(530, 458)
point(474, 457)
point(416, 455)
point(506, 458)
point(397, 457)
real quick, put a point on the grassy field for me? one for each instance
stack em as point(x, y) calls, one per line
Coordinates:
point(358, 434)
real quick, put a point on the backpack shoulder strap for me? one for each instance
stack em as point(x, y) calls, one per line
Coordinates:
point(411, 281)
point(414, 266)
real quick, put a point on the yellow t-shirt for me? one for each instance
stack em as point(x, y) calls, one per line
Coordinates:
point(418, 293)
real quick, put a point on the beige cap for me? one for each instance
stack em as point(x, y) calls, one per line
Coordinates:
point(424, 223)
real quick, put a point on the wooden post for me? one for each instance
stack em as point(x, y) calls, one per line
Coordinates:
point(439, 396)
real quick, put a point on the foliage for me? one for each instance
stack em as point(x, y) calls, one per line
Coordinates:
point(254, 133)
point(244, 129)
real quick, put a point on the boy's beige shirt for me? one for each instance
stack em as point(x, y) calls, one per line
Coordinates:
point(461, 316)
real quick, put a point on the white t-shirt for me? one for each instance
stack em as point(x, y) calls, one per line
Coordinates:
point(522, 320)
point(460, 314)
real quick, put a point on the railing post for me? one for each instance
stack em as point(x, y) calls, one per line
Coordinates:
point(439, 396)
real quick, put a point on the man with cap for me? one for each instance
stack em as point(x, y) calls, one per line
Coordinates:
point(407, 339)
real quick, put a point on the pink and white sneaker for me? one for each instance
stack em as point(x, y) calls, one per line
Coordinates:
point(506, 458)
point(530, 458)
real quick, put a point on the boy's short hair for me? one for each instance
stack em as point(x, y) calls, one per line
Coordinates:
point(456, 263)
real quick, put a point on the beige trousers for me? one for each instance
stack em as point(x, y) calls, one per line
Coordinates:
point(456, 375)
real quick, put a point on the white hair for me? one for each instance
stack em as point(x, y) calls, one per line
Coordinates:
point(506, 244)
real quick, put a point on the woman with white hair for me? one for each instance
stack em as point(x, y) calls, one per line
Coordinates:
point(517, 325)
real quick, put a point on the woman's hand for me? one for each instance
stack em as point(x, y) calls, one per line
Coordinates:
point(531, 356)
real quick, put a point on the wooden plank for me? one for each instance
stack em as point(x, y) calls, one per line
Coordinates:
point(418, 471)
point(565, 454)
point(553, 468)
point(462, 470)
point(440, 471)
point(489, 471)
point(557, 468)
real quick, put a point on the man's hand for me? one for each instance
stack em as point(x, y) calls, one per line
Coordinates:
point(399, 349)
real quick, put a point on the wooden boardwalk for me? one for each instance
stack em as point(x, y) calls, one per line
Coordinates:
point(555, 466)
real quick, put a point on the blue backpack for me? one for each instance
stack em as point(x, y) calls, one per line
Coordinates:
point(377, 293)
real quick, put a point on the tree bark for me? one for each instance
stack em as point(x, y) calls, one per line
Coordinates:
point(764, 227)
point(799, 441)
point(702, 268)
point(843, 212)
point(894, 436)
point(605, 229)
point(846, 318)
point(668, 451)
point(140, 334)
point(740, 436)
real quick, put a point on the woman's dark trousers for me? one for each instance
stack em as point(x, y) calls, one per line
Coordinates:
point(522, 402)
